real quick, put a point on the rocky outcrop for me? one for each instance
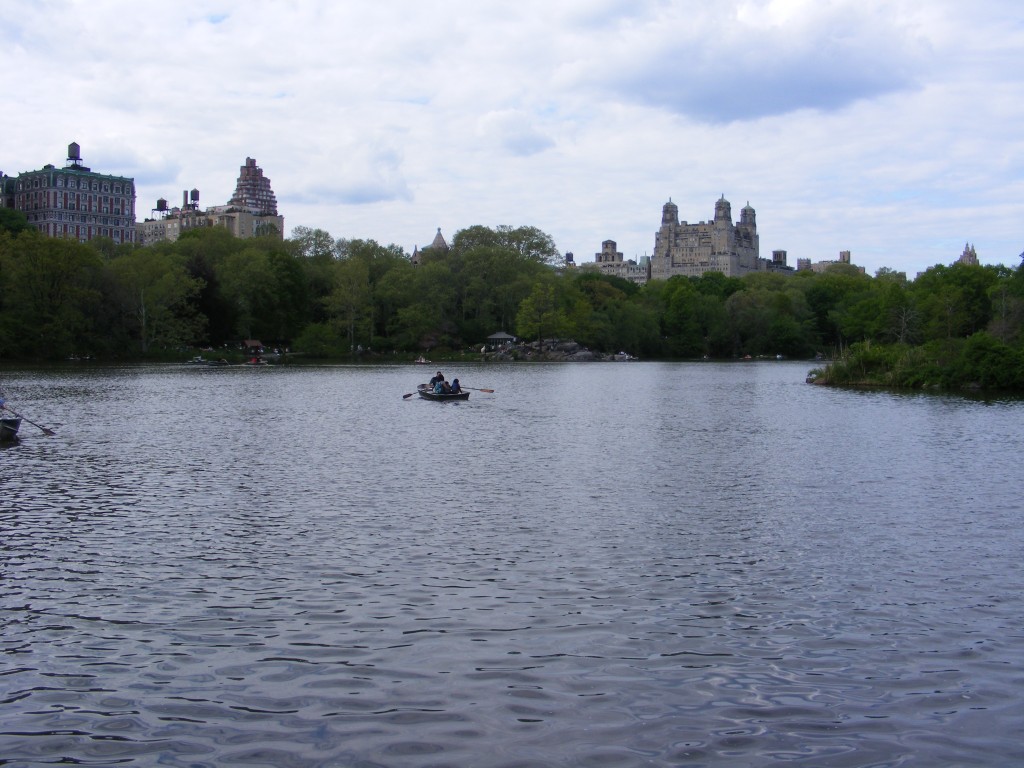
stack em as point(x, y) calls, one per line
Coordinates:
point(554, 352)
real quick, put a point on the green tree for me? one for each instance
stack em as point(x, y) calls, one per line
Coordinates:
point(955, 301)
point(249, 283)
point(351, 300)
point(155, 294)
point(52, 294)
point(539, 314)
point(13, 222)
point(681, 324)
point(204, 252)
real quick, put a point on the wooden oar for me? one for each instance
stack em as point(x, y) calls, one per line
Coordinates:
point(477, 389)
point(406, 397)
point(46, 431)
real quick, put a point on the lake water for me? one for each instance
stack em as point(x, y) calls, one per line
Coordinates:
point(632, 564)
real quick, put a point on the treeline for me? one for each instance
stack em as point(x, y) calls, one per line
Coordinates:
point(328, 298)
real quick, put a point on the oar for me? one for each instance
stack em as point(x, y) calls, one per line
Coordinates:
point(45, 430)
point(406, 397)
point(477, 389)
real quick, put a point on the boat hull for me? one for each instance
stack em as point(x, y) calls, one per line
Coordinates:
point(9, 427)
point(427, 394)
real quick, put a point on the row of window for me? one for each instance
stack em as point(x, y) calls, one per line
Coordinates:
point(73, 201)
point(71, 182)
point(72, 206)
point(84, 234)
point(81, 217)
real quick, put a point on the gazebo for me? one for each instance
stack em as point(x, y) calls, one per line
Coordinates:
point(499, 338)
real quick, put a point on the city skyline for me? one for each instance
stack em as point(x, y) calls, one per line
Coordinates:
point(882, 129)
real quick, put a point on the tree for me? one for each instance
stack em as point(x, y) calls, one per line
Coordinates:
point(156, 294)
point(680, 324)
point(12, 221)
point(310, 243)
point(249, 284)
point(52, 296)
point(539, 314)
point(351, 301)
point(956, 300)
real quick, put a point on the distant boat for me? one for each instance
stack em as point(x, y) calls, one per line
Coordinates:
point(200, 360)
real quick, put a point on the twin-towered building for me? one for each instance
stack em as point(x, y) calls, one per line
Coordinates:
point(719, 245)
point(681, 248)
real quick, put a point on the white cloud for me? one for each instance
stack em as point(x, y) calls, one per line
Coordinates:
point(514, 131)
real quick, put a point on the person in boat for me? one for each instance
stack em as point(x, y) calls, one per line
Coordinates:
point(456, 389)
point(436, 378)
point(442, 387)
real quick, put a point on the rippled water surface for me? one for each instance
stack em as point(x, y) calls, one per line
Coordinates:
point(597, 565)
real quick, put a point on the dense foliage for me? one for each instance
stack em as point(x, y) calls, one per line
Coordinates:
point(330, 298)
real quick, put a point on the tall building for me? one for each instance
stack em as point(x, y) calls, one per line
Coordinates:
point(251, 211)
point(253, 192)
point(719, 245)
point(969, 256)
point(74, 201)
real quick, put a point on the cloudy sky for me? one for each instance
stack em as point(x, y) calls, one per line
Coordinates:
point(891, 129)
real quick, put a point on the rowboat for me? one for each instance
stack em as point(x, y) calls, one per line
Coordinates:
point(9, 426)
point(428, 394)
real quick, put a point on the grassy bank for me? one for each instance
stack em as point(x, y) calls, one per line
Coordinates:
point(979, 362)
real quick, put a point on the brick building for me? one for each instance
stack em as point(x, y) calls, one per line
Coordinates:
point(74, 201)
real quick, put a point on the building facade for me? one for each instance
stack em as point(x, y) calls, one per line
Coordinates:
point(969, 256)
point(609, 261)
point(719, 245)
point(803, 265)
point(251, 211)
point(253, 192)
point(74, 201)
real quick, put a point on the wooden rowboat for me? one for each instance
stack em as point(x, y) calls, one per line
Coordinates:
point(428, 394)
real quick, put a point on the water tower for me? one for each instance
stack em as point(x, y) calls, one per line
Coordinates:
point(74, 155)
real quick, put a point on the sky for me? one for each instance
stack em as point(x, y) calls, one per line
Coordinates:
point(890, 129)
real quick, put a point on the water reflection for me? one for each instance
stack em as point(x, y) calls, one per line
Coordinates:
point(627, 564)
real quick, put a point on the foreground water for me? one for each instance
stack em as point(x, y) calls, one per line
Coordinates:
point(597, 565)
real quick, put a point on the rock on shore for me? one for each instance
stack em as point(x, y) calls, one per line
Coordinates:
point(553, 352)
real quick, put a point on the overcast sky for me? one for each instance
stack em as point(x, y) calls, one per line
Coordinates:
point(894, 129)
